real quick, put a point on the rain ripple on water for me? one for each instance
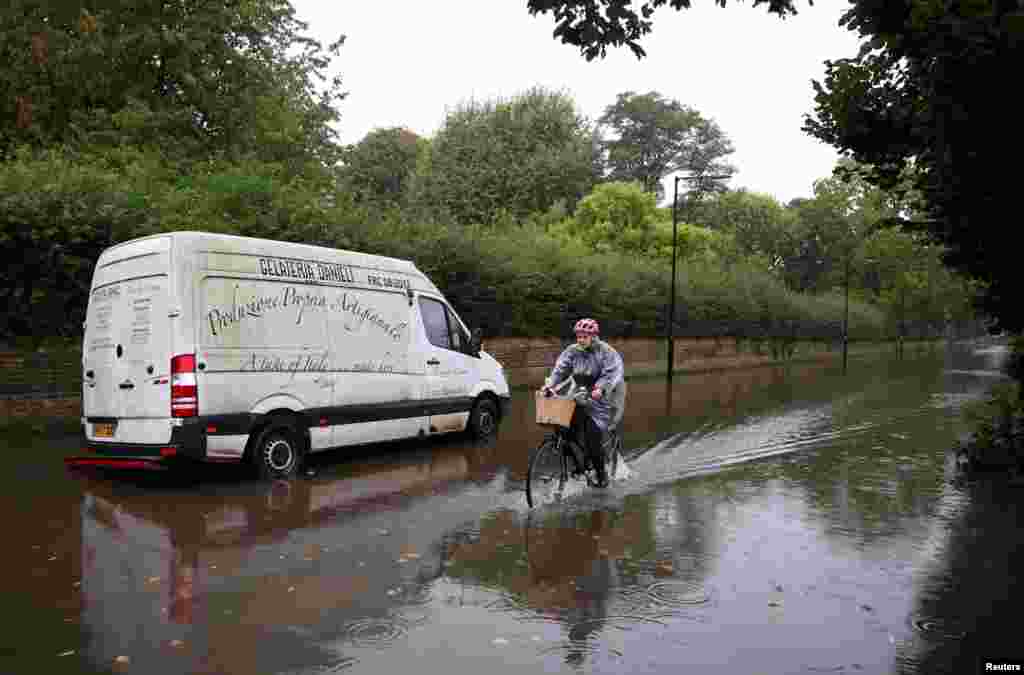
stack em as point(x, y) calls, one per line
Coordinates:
point(374, 632)
point(679, 593)
point(937, 627)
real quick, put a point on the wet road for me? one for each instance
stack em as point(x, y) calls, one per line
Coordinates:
point(773, 520)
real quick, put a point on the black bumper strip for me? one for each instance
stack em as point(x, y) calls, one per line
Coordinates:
point(189, 438)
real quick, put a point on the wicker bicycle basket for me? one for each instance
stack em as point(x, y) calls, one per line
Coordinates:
point(554, 412)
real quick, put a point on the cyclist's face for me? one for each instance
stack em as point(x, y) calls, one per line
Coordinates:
point(584, 340)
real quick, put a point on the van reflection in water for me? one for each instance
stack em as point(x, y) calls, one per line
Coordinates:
point(254, 577)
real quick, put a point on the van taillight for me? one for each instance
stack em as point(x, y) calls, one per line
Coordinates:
point(184, 392)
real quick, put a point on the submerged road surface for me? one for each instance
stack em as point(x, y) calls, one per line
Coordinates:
point(772, 520)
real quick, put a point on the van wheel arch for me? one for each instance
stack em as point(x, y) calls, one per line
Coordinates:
point(278, 419)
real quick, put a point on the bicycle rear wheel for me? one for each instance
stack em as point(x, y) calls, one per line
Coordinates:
point(546, 473)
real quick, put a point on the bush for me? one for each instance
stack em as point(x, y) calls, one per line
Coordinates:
point(997, 425)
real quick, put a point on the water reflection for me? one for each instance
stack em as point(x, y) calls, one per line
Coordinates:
point(257, 578)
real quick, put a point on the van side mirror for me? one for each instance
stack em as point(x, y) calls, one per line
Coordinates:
point(475, 341)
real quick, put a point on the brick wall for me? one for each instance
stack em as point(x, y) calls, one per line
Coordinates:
point(49, 383)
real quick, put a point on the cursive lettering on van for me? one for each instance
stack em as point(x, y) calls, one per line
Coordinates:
point(309, 363)
point(351, 305)
point(257, 306)
point(373, 367)
point(293, 297)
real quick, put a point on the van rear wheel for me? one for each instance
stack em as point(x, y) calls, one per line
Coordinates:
point(277, 454)
point(483, 419)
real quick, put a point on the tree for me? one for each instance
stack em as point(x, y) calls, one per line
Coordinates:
point(192, 80)
point(134, 117)
point(619, 217)
point(757, 222)
point(594, 25)
point(654, 137)
point(515, 157)
point(615, 216)
point(379, 168)
point(920, 93)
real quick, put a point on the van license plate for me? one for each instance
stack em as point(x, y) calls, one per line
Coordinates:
point(103, 430)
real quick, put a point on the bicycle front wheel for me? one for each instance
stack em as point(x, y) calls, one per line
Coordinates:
point(546, 474)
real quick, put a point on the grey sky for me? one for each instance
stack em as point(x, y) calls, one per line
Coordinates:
point(404, 62)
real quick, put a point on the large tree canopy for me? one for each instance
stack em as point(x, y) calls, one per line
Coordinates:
point(595, 25)
point(125, 118)
point(518, 157)
point(929, 90)
point(194, 80)
point(653, 137)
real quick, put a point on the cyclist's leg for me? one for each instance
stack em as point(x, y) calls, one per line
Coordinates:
point(595, 448)
point(577, 432)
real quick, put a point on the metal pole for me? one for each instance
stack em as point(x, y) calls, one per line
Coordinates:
point(846, 311)
point(672, 299)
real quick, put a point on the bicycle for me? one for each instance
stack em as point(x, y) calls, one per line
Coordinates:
point(560, 457)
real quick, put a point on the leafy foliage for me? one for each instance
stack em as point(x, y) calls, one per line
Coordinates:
point(920, 94)
point(514, 157)
point(191, 80)
point(654, 137)
point(759, 225)
point(379, 170)
point(595, 25)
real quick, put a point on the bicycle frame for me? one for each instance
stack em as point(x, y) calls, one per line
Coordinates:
point(569, 448)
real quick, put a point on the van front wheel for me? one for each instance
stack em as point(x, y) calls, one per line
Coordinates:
point(483, 419)
point(277, 454)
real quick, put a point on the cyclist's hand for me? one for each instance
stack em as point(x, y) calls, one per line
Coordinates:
point(597, 393)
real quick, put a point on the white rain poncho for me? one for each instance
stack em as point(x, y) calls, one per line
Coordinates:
point(599, 366)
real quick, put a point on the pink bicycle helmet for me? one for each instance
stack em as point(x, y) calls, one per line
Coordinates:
point(587, 327)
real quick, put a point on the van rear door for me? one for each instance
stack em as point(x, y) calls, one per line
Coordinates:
point(126, 354)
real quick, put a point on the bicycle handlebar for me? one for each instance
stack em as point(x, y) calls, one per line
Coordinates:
point(580, 394)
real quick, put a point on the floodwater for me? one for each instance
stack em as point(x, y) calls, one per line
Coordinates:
point(771, 520)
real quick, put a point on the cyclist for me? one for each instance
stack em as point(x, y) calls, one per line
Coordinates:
point(595, 365)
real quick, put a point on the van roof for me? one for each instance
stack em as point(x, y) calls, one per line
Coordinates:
point(197, 240)
point(201, 237)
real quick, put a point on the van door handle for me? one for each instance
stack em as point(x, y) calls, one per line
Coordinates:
point(126, 385)
point(433, 362)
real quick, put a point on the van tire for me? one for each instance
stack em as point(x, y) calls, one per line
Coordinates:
point(483, 419)
point(278, 453)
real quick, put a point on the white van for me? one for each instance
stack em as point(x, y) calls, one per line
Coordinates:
point(220, 348)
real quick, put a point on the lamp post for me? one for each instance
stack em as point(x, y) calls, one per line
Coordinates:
point(672, 300)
